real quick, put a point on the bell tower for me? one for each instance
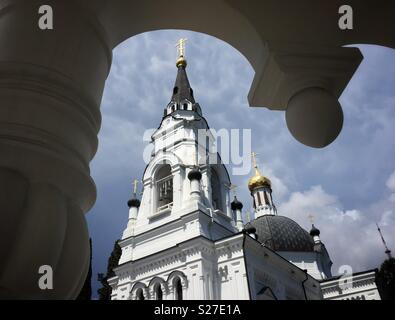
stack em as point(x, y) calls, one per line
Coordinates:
point(184, 195)
point(185, 238)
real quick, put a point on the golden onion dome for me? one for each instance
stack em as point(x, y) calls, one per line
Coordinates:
point(258, 181)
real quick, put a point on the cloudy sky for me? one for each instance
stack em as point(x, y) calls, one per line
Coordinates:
point(347, 186)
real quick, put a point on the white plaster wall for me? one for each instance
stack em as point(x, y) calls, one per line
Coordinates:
point(352, 287)
point(200, 260)
point(310, 261)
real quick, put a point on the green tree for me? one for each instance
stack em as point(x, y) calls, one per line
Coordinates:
point(386, 279)
point(105, 291)
point(86, 291)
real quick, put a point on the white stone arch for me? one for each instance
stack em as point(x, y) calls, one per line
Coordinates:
point(158, 281)
point(136, 287)
point(74, 84)
point(120, 29)
point(186, 105)
point(171, 280)
point(224, 184)
point(260, 45)
point(163, 158)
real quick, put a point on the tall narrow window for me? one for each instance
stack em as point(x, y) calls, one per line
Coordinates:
point(216, 191)
point(259, 198)
point(208, 144)
point(178, 289)
point(164, 187)
point(266, 199)
point(158, 292)
point(140, 294)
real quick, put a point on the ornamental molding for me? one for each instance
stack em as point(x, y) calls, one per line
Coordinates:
point(175, 255)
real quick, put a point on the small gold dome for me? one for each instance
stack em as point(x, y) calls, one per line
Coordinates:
point(258, 180)
point(181, 62)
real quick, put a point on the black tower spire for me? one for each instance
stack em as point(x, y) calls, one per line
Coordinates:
point(182, 89)
point(182, 97)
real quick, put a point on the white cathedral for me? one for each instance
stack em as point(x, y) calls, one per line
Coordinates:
point(186, 238)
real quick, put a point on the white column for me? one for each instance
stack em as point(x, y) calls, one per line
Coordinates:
point(228, 210)
point(206, 178)
point(239, 220)
point(195, 189)
point(51, 83)
point(210, 286)
point(195, 177)
point(177, 189)
point(133, 212)
point(237, 206)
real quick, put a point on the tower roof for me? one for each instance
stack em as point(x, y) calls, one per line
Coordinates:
point(182, 89)
point(134, 202)
point(236, 204)
point(314, 231)
point(280, 233)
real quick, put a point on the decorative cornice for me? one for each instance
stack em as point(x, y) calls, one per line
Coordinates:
point(180, 254)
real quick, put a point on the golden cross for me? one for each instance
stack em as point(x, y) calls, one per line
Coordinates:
point(181, 47)
point(254, 163)
point(233, 188)
point(135, 182)
point(311, 218)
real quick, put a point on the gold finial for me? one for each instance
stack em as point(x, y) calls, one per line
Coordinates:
point(181, 47)
point(232, 187)
point(181, 61)
point(254, 162)
point(258, 180)
point(135, 182)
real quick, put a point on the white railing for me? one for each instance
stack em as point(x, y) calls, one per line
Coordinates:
point(168, 206)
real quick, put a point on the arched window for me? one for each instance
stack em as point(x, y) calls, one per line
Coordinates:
point(164, 187)
point(178, 288)
point(140, 294)
point(216, 191)
point(158, 292)
point(175, 90)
